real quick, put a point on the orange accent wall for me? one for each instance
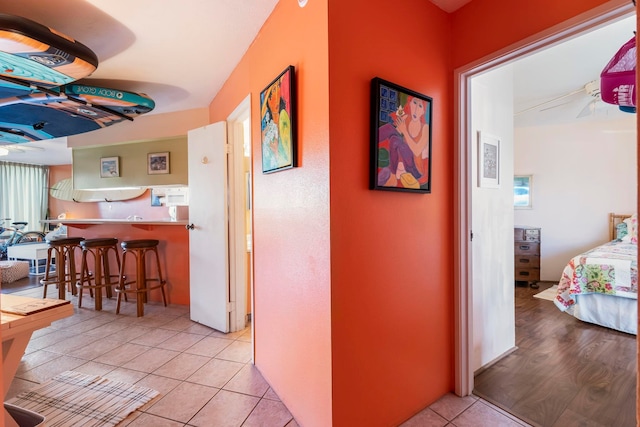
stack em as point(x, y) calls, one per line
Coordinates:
point(486, 26)
point(291, 246)
point(391, 252)
point(354, 288)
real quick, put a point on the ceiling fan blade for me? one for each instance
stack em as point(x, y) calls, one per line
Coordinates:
point(542, 104)
point(554, 106)
point(588, 109)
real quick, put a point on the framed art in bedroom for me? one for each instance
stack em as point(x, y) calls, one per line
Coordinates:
point(488, 160)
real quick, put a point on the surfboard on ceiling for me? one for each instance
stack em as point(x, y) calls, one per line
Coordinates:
point(34, 53)
point(68, 110)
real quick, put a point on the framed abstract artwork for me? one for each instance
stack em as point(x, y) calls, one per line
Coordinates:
point(278, 123)
point(488, 160)
point(400, 138)
point(109, 167)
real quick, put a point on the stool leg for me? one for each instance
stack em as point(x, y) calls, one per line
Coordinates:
point(45, 280)
point(98, 277)
point(121, 286)
point(60, 253)
point(84, 275)
point(106, 271)
point(141, 283)
point(160, 280)
point(73, 275)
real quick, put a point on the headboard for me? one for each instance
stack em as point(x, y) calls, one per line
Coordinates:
point(614, 220)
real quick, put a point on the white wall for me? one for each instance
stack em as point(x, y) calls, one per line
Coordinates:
point(492, 222)
point(581, 172)
point(146, 127)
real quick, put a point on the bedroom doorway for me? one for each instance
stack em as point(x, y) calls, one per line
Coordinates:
point(465, 179)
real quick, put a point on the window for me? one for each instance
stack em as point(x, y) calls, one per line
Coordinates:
point(522, 191)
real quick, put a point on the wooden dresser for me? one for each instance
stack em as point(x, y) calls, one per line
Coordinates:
point(527, 253)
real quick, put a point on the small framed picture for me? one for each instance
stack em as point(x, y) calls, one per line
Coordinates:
point(157, 163)
point(109, 167)
point(157, 197)
point(488, 160)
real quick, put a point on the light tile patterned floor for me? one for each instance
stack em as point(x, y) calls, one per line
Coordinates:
point(205, 378)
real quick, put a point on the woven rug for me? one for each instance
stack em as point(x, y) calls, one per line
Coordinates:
point(548, 294)
point(75, 399)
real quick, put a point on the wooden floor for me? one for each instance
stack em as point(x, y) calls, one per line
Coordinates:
point(565, 372)
point(21, 284)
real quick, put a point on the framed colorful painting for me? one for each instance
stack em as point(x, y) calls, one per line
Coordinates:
point(400, 138)
point(278, 123)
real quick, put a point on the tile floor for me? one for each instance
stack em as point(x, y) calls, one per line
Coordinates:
point(205, 378)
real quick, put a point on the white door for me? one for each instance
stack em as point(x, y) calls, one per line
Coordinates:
point(208, 238)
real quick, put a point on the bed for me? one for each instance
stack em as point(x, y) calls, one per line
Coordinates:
point(601, 285)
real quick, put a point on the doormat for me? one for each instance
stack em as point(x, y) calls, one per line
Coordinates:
point(75, 399)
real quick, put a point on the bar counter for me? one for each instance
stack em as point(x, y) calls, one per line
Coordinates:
point(173, 247)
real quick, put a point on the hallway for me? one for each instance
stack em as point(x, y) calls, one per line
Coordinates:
point(205, 378)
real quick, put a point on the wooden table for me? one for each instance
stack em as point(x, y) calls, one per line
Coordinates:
point(17, 330)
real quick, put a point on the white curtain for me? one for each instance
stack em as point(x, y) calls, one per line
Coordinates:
point(24, 193)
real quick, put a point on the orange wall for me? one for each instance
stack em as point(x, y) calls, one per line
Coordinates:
point(391, 252)
point(486, 26)
point(357, 329)
point(291, 213)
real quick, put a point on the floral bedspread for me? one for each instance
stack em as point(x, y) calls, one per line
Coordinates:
point(610, 269)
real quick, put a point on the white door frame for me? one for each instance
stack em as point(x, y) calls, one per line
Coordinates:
point(463, 285)
point(238, 244)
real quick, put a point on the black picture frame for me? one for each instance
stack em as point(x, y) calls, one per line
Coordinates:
point(398, 164)
point(278, 123)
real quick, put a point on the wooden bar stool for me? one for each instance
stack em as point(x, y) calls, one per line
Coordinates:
point(139, 249)
point(101, 277)
point(63, 251)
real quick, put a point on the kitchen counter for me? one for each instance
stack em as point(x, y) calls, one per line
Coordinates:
point(140, 223)
point(173, 247)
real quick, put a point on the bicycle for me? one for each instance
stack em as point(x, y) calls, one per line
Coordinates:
point(14, 234)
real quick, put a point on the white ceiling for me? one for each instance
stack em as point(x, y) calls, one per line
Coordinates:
point(151, 46)
point(566, 68)
point(178, 52)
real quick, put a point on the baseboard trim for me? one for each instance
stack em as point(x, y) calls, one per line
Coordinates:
point(494, 361)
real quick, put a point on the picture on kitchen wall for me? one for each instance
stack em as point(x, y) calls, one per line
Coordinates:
point(488, 160)
point(278, 123)
point(157, 197)
point(157, 163)
point(109, 167)
point(400, 138)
